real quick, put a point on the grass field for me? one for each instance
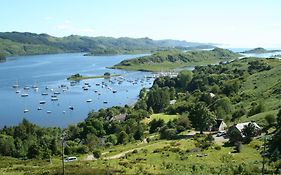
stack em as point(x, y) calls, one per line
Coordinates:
point(165, 117)
point(156, 157)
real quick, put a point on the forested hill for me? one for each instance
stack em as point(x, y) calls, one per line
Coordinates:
point(260, 50)
point(176, 58)
point(16, 43)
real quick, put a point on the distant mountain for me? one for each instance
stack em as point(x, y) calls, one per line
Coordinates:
point(260, 50)
point(17, 43)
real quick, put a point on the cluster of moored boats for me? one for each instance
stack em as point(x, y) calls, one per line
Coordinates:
point(53, 93)
point(24, 92)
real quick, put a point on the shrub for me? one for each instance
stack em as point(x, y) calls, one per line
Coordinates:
point(217, 147)
point(97, 154)
point(270, 119)
point(168, 133)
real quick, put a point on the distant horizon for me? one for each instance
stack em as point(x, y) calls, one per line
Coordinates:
point(209, 43)
point(239, 23)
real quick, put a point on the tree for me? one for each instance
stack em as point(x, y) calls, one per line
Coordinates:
point(138, 135)
point(97, 154)
point(158, 99)
point(270, 119)
point(184, 77)
point(201, 117)
point(168, 133)
point(107, 74)
point(123, 137)
point(112, 139)
point(183, 124)
point(279, 119)
point(256, 108)
point(249, 131)
point(92, 141)
point(2, 57)
point(34, 151)
point(234, 135)
point(155, 125)
point(7, 146)
point(223, 107)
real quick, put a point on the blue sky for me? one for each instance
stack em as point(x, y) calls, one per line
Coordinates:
point(235, 23)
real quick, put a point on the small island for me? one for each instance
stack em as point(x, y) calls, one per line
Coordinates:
point(78, 77)
point(173, 59)
point(260, 50)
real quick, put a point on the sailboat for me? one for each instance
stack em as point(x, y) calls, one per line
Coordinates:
point(16, 85)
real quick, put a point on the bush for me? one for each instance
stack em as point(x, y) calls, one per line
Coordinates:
point(238, 147)
point(82, 149)
point(97, 154)
point(217, 147)
point(168, 133)
point(270, 119)
point(256, 108)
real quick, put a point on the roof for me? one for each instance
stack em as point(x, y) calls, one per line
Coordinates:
point(219, 123)
point(240, 126)
point(120, 117)
point(173, 102)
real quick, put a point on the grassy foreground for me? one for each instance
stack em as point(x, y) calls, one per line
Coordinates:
point(158, 157)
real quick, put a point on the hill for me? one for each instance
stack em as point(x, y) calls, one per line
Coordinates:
point(260, 50)
point(167, 60)
point(17, 43)
point(159, 137)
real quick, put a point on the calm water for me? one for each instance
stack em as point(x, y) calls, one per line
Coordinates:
point(51, 71)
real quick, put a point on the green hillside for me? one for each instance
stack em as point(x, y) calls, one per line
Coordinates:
point(167, 60)
point(260, 50)
point(16, 43)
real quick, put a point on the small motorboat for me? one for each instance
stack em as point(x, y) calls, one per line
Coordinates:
point(85, 88)
point(44, 93)
point(49, 112)
point(114, 91)
point(89, 100)
point(71, 107)
point(39, 108)
point(18, 91)
point(54, 99)
point(42, 102)
point(105, 102)
point(56, 93)
point(26, 88)
point(25, 111)
point(24, 95)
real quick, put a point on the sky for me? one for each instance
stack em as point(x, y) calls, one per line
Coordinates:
point(232, 23)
